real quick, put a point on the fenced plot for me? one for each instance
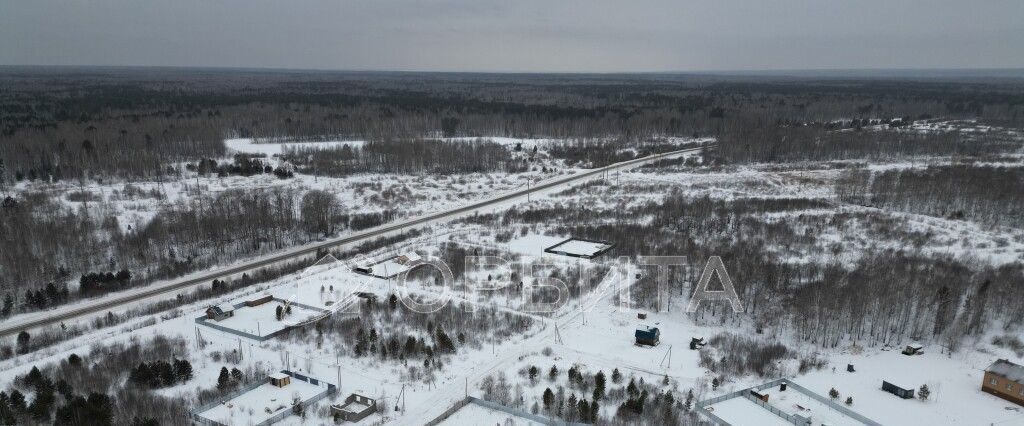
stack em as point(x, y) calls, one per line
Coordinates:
point(796, 405)
point(260, 322)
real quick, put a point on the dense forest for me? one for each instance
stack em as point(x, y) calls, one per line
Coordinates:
point(73, 124)
point(47, 243)
point(979, 193)
point(92, 389)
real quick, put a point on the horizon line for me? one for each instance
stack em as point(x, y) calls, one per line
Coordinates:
point(1006, 72)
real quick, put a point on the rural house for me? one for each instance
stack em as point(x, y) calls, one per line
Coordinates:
point(650, 336)
point(220, 312)
point(1005, 380)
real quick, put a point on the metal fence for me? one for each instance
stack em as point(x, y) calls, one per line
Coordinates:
point(797, 420)
point(792, 418)
point(836, 406)
point(198, 419)
point(213, 324)
point(498, 407)
point(701, 406)
point(448, 413)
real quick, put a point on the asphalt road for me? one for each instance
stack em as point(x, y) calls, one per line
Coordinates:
point(62, 314)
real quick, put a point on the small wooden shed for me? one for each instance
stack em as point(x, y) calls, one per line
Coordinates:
point(280, 379)
point(913, 349)
point(697, 342)
point(256, 301)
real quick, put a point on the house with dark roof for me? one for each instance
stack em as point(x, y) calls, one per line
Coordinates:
point(649, 336)
point(1005, 380)
point(220, 312)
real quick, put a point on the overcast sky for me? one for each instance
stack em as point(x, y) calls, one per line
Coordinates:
point(516, 35)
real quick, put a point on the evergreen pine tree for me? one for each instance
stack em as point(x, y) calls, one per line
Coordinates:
point(224, 379)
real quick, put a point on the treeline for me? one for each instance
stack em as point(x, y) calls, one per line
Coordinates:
point(407, 156)
point(584, 395)
point(95, 283)
point(45, 242)
point(112, 146)
point(982, 194)
point(886, 297)
point(134, 123)
point(160, 374)
point(388, 331)
point(775, 143)
point(243, 165)
point(91, 390)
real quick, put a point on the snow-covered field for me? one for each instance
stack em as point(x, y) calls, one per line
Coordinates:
point(595, 334)
point(261, 320)
point(473, 414)
point(744, 412)
point(271, 149)
point(954, 381)
point(261, 403)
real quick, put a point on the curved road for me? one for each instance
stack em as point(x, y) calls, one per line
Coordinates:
point(61, 314)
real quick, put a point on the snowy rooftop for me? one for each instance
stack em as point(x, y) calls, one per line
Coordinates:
point(576, 247)
point(1007, 369)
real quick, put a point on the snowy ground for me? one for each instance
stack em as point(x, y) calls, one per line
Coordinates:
point(271, 149)
point(595, 339)
point(954, 382)
point(261, 403)
point(262, 320)
point(473, 414)
point(740, 411)
point(795, 402)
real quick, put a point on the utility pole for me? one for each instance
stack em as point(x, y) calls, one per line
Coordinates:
point(667, 356)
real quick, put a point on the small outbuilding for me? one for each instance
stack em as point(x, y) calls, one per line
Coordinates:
point(697, 342)
point(280, 379)
point(259, 300)
point(901, 391)
point(355, 408)
point(407, 258)
point(913, 349)
point(648, 336)
point(220, 312)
